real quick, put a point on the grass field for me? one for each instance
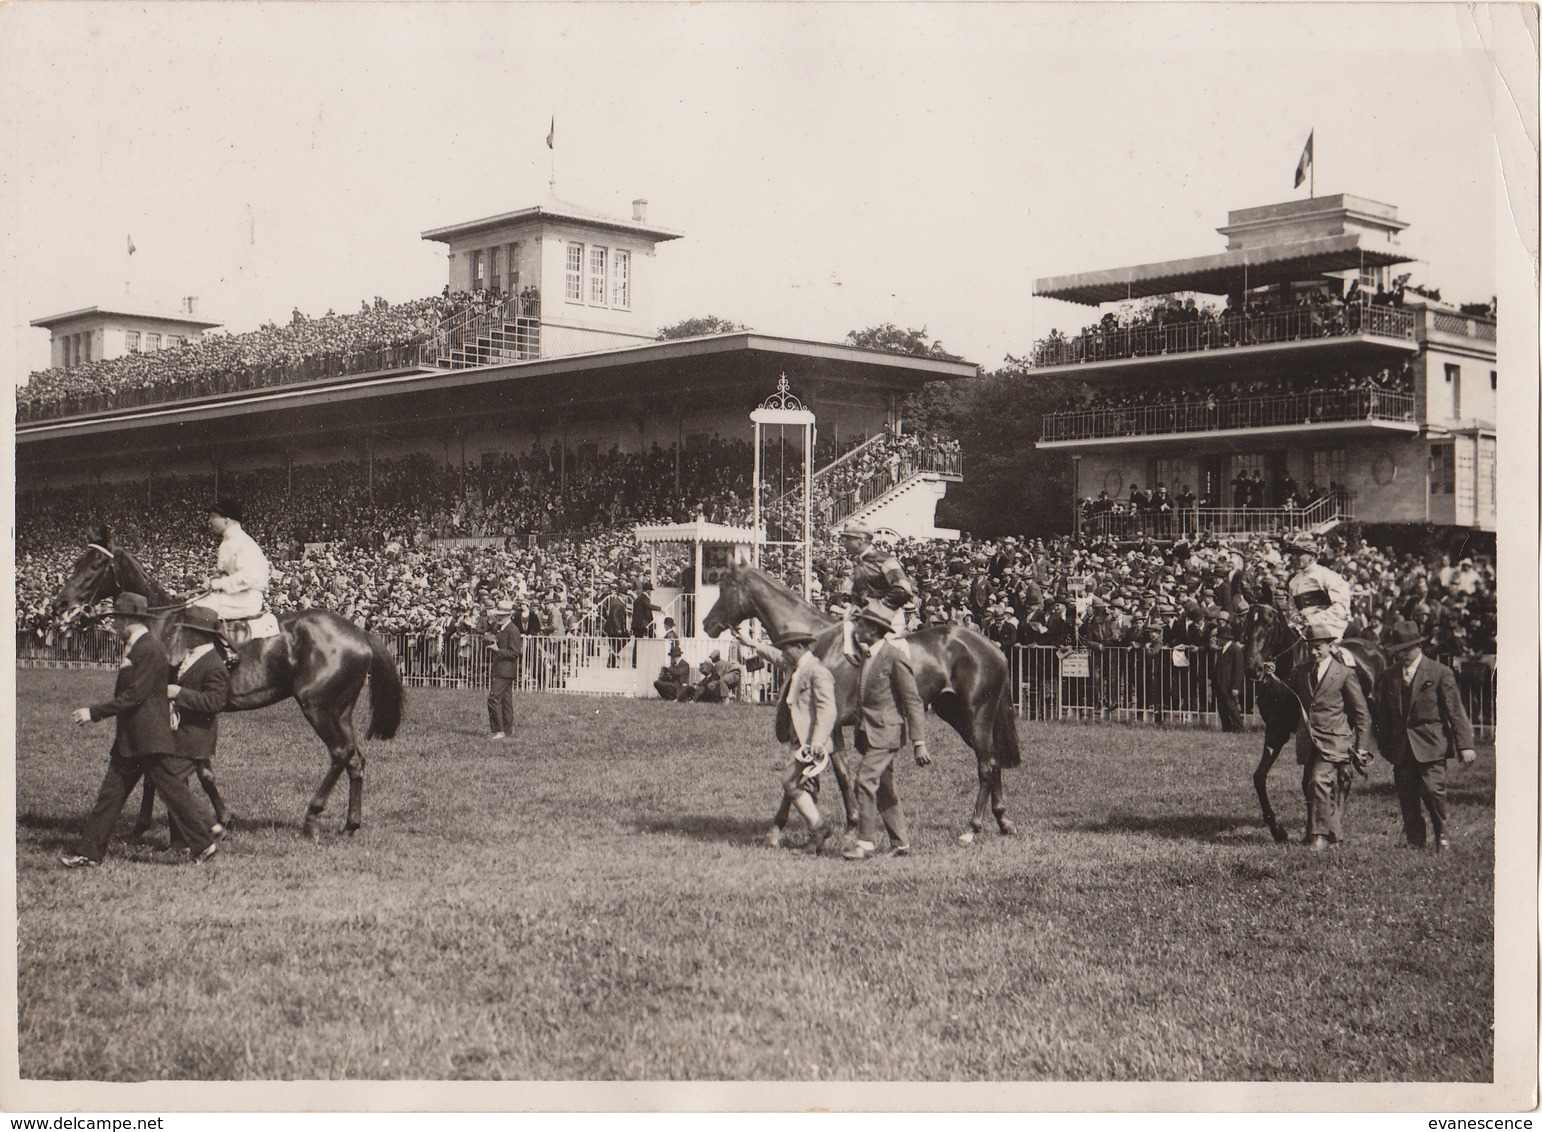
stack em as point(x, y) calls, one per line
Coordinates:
point(592, 900)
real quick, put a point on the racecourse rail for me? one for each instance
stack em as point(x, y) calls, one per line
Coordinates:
point(1131, 684)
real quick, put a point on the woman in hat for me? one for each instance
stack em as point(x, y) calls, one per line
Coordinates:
point(1420, 723)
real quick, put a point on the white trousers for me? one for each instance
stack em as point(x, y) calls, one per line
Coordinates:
point(245, 603)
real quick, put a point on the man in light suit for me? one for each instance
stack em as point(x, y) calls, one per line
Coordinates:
point(891, 715)
point(143, 744)
point(1333, 737)
point(1420, 723)
point(811, 705)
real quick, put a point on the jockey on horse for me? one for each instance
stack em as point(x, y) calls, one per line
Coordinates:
point(237, 591)
point(1319, 597)
point(877, 576)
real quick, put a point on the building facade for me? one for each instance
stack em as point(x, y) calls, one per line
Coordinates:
point(1297, 357)
point(98, 333)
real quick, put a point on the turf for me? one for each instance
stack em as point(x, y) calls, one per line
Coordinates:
point(592, 900)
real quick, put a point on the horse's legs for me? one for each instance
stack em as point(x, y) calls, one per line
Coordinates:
point(336, 731)
point(319, 799)
point(999, 804)
point(843, 777)
point(1272, 750)
point(982, 801)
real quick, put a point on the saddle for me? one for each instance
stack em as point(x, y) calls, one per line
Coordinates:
point(239, 630)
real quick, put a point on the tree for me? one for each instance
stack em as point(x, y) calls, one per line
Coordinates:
point(892, 340)
point(693, 327)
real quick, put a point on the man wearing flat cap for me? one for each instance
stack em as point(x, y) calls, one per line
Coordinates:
point(240, 582)
point(811, 708)
point(507, 642)
point(1319, 597)
point(890, 715)
point(1332, 738)
point(1420, 723)
point(876, 576)
point(143, 746)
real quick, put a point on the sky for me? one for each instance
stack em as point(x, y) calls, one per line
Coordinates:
point(831, 167)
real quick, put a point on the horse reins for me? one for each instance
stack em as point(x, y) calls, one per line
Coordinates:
point(112, 564)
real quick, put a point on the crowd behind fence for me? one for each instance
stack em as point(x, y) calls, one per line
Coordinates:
point(1123, 684)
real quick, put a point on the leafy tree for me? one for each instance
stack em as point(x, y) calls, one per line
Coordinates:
point(693, 327)
point(892, 340)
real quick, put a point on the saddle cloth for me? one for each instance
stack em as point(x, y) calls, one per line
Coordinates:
point(242, 629)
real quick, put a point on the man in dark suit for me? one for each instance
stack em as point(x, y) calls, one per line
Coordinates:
point(508, 645)
point(1334, 736)
point(200, 686)
point(891, 715)
point(675, 677)
point(1226, 676)
point(143, 747)
point(1420, 723)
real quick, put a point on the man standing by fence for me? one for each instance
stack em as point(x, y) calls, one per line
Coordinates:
point(1420, 723)
point(1227, 675)
point(507, 646)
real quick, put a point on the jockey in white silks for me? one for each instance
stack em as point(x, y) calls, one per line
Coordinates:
point(1319, 597)
point(239, 587)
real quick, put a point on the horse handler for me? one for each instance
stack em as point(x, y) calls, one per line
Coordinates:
point(811, 703)
point(1334, 736)
point(198, 694)
point(891, 712)
point(143, 747)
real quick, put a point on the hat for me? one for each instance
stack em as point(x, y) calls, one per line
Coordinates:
point(201, 618)
point(798, 637)
point(1316, 631)
point(505, 606)
point(674, 648)
point(1405, 635)
point(131, 605)
point(876, 613)
point(1300, 544)
point(227, 507)
point(859, 529)
point(717, 654)
point(1190, 606)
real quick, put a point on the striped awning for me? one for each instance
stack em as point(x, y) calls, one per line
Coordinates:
point(1224, 274)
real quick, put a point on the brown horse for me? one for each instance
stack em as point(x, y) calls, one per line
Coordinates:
point(319, 658)
point(1272, 649)
point(959, 673)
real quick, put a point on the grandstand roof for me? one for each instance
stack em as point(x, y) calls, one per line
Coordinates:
point(50, 321)
point(552, 210)
point(1226, 273)
point(710, 534)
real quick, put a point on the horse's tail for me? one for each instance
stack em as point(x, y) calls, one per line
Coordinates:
point(386, 695)
point(1004, 728)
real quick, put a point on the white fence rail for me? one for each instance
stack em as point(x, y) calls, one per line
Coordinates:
point(1122, 684)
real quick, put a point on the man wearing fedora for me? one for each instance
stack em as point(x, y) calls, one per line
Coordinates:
point(1333, 737)
point(890, 714)
point(1420, 723)
point(198, 690)
point(811, 707)
point(508, 646)
point(143, 746)
point(674, 682)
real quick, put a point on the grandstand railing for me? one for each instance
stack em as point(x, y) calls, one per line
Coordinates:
point(503, 334)
point(221, 383)
point(1234, 413)
point(887, 478)
point(1187, 522)
point(1122, 684)
point(1462, 325)
point(1335, 321)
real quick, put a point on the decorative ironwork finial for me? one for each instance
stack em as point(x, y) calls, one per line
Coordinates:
point(783, 397)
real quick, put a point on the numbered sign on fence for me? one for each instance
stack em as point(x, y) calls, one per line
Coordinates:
point(1074, 664)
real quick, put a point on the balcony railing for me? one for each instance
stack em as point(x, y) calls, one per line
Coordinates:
point(1235, 413)
point(1188, 522)
point(502, 337)
point(1462, 325)
point(1221, 333)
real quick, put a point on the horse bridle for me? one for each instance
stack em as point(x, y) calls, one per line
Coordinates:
point(112, 564)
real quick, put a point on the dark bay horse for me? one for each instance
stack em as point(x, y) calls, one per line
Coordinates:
point(959, 673)
point(1272, 649)
point(319, 658)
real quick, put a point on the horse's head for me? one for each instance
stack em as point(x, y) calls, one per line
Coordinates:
point(93, 579)
point(1262, 633)
point(732, 606)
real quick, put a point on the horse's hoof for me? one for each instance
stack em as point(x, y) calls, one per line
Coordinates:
point(351, 828)
point(1280, 836)
point(966, 838)
point(310, 831)
point(1007, 828)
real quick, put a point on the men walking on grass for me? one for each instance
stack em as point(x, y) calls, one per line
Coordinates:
point(891, 715)
point(811, 705)
point(1420, 723)
point(1333, 738)
point(143, 746)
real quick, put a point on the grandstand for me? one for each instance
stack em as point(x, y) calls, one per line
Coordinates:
point(1347, 392)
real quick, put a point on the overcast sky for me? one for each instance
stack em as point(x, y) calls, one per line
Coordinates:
point(831, 167)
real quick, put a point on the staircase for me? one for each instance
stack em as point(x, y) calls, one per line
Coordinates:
point(509, 331)
point(903, 499)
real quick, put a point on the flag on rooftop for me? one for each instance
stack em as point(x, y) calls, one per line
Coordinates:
point(551, 135)
point(1306, 159)
point(132, 248)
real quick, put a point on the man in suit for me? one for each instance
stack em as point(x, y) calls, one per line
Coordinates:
point(674, 682)
point(720, 679)
point(198, 691)
point(1334, 735)
point(143, 746)
point(1420, 723)
point(508, 646)
point(890, 715)
point(811, 705)
point(1226, 675)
